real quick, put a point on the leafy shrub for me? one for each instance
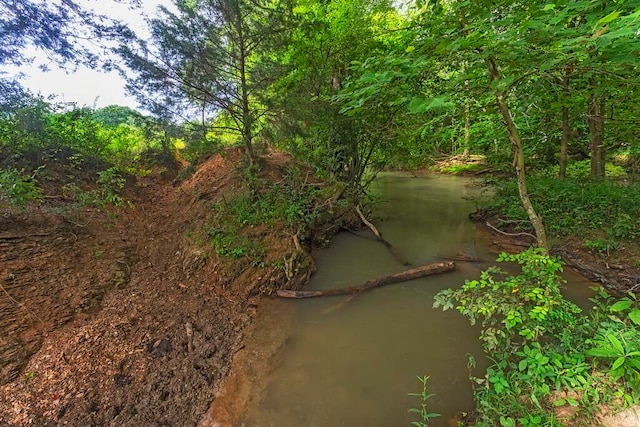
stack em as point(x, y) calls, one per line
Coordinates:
point(291, 202)
point(601, 246)
point(546, 353)
point(17, 188)
point(110, 186)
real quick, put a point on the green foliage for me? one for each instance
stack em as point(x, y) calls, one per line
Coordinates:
point(546, 353)
point(601, 246)
point(616, 345)
point(291, 203)
point(423, 414)
point(17, 187)
point(109, 192)
point(575, 207)
point(582, 169)
point(460, 169)
point(114, 135)
point(516, 310)
point(229, 242)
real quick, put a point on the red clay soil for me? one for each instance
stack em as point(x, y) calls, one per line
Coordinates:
point(121, 320)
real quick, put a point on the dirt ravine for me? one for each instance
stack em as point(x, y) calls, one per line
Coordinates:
point(121, 321)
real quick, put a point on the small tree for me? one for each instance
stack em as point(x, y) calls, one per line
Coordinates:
point(205, 53)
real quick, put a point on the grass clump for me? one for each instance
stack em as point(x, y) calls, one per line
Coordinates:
point(462, 168)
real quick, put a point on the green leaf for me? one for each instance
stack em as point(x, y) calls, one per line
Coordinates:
point(634, 316)
point(601, 352)
point(522, 365)
point(616, 373)
point(417, 106)
point(621, 305)
point(507, 422)
point(610, 17)
point(617, 345)
point(572, 401)
point(618, 363)
point(635, 363)
point(559, 402)
point(410, 49)
point(548, 7)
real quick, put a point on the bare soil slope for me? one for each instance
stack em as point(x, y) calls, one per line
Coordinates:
point(122, 321)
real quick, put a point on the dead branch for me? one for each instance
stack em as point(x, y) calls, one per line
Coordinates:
point(395, 252)
point(510, 234)
point(414, 273)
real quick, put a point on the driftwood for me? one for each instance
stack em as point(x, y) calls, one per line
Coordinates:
point(414, 273)
point(609, 281)
point(509, 234)
point(395, 252)
point(465, 258)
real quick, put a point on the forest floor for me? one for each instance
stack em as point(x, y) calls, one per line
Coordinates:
point(120, 319)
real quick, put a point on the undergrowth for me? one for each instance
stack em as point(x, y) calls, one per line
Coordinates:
point(574, 207)
point(17, 187)
point(461, 169)
point(582, 169)
point(110, 184)
point(547, 355)
point(291, 203)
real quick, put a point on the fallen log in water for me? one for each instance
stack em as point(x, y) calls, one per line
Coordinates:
point(414, 273)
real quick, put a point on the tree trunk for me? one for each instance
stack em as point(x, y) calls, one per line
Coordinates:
point(518, 161)
point(247, 119)
point(566, 129)
point(204, 122)
point(602, 149)
point(595, 121)
point(414, 273)
point(467, 122)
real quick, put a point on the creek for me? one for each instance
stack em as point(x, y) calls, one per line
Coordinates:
point(351, 361)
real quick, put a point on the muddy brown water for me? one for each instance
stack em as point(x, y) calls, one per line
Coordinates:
point(351, 362)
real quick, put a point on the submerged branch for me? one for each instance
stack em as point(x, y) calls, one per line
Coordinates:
point(395, 252)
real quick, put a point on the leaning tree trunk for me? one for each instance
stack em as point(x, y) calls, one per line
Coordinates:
point(518, 161)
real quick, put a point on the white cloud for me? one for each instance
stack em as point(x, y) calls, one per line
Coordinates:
point(85, 86)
